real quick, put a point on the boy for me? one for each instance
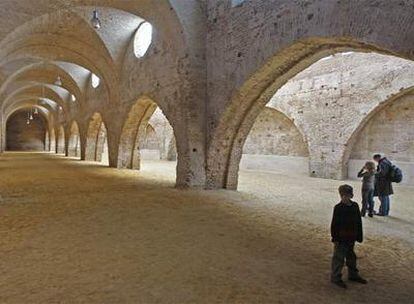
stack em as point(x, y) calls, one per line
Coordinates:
point(346, 228)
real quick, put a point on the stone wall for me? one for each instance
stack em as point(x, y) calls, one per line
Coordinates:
point(275, 134)
point(150, 145)
point(331, 99)
point(275, 144)
point(290, 165)
point(242, 39)
point(21, 136)
point(254, 48)
point(151, 141)
point(330, 102)
point(391, 133)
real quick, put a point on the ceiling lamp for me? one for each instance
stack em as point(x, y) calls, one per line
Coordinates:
point(36, 111)
point(96, 23)
point(58, 81)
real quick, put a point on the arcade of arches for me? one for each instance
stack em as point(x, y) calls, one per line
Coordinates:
point(108, 109)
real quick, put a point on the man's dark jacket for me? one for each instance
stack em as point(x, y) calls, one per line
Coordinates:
point(383, 185)
point(346, 223)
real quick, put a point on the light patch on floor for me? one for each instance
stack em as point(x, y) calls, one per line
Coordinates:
point(78, 232)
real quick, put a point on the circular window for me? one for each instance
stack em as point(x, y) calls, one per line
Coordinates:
point(95, 80)
point(143, 39)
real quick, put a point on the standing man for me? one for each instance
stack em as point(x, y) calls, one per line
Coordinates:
point(383, 184)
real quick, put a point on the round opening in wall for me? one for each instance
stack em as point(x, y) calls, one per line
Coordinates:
point(143, 39)
point(95, 81)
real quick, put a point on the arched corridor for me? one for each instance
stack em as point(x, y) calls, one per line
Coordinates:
point(26, 131)
point(190, 151)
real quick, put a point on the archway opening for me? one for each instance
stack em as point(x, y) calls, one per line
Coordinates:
point(157, 146)
point(97, 141)
point(26, 131)
point(326, 102)
point(390, 132)
point(147, 141)
point(74, 149)
point(275, 144)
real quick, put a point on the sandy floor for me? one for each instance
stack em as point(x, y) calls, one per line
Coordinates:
point(77, 232)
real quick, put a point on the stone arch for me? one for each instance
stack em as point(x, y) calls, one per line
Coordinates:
point(45, 74)
point(74, 142)
point(275, 143)
point(133, 133)
point(132, 130)
point(96, 138)
point(227, 140)
point(34, 91)
point(356, 134)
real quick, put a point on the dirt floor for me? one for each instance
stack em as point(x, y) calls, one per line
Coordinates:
point(78, 232)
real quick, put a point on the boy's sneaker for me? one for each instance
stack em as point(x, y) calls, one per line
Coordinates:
point(358, 279)
point(340, 283)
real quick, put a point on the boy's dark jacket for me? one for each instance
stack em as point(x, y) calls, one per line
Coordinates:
point(346, 223)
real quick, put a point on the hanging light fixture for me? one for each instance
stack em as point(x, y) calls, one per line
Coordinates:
point(58, 81)
point(36, 111)
point(28, 120)
point(95, 21)
point(31, 116)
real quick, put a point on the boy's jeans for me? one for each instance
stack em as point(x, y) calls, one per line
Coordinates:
point(343, 251)
point(385, 205)
point(367, 201)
